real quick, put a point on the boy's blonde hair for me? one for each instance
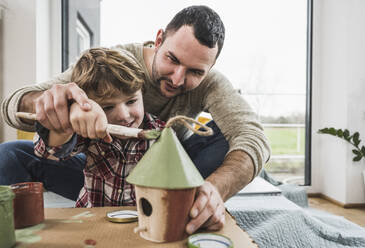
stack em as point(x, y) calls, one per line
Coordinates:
point(103, 73)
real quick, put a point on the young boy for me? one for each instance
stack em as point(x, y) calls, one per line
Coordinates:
point(114, 81)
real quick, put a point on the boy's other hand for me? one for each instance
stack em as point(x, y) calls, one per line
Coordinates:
point(89, 124)
point(208, 209)
point(52, 106)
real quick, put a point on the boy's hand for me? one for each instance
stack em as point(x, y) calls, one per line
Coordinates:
point(89, 124)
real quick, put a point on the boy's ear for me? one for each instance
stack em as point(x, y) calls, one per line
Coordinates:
point(159, 39)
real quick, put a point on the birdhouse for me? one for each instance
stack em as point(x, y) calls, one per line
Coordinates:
point(165, 182)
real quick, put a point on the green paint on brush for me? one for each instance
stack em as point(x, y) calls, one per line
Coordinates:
point(149, 134)
point(27, 235)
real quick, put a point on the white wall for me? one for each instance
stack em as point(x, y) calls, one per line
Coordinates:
point(338, 96)
point(18, 50)
point(48, 39)
point(31, 46)
point(43, 46)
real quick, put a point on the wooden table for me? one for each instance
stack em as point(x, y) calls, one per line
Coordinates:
point(87, 227)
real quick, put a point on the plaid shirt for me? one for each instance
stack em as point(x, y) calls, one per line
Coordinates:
point(107, 165)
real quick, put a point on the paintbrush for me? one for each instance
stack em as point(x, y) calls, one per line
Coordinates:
point(112, 129)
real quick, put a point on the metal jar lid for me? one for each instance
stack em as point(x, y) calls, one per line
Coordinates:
point(122, 216)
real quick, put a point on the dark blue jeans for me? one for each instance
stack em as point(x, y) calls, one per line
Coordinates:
point(207, 152)
point(19, 164)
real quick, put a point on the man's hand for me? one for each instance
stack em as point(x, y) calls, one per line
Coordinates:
point(208, 209)
point(51, 107)
point(89, 124)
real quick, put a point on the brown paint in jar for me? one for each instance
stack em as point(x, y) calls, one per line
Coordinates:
point(28, 204)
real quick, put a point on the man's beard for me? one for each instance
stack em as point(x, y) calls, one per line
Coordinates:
point(157, 79)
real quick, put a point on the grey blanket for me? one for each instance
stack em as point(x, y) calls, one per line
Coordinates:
point(274, 221)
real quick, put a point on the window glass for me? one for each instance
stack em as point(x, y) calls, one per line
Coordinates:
point(264, 56)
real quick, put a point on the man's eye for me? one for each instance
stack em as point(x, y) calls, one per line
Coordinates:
point(197, 73)
point(130, 102)
point(172, 59)
point(107, 108)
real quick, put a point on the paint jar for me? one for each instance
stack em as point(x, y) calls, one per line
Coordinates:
point(7, 234)
point(28, 204)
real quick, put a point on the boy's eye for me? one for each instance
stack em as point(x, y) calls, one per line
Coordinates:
point(130, 102)
point(107, 108)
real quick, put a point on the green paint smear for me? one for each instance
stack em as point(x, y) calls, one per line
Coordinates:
point(89, 246)
point(27, 235)
point(71, 221)
point(85, 214)
point(152, 134)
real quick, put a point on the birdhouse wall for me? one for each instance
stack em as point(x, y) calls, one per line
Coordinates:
point(169, 212)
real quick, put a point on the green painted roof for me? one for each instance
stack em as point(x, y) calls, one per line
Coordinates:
point(166, 165)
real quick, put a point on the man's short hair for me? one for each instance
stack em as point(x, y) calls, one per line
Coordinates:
point(208, 27)
point(103, 73)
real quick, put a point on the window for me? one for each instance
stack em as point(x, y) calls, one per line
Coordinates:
point(80, 28)
point(83, 36)
point(266, 56)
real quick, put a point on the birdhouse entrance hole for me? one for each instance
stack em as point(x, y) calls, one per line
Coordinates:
point(146, 206)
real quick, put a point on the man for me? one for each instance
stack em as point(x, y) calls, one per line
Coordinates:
point(180, 80)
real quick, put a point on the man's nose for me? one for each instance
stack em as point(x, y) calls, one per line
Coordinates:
point(178, 77)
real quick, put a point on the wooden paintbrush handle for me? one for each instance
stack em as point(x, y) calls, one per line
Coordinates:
point(25, 115)
point(112, 129)
point(123, 131)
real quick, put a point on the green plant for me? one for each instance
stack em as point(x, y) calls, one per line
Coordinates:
point(352, 139)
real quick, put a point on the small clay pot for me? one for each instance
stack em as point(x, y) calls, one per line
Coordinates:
point(28, 204)
point(7, 234)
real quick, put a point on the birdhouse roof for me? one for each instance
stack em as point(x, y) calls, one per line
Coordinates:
point(166, 165)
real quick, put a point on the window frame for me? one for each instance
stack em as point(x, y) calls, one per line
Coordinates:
point(65, 45)
point(83, 30)
point(308, 114)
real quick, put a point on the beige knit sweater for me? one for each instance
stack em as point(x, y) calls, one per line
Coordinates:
point(215, 95)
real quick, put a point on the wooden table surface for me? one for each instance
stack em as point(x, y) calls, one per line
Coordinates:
point(87, 227)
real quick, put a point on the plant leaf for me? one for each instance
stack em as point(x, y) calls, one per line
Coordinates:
point(346, 133)
point(323, 130)
point(355, 138)
point(340, 133)
point(356, 152)
point(332, 131)
point(357, 158)
point(363, 150)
